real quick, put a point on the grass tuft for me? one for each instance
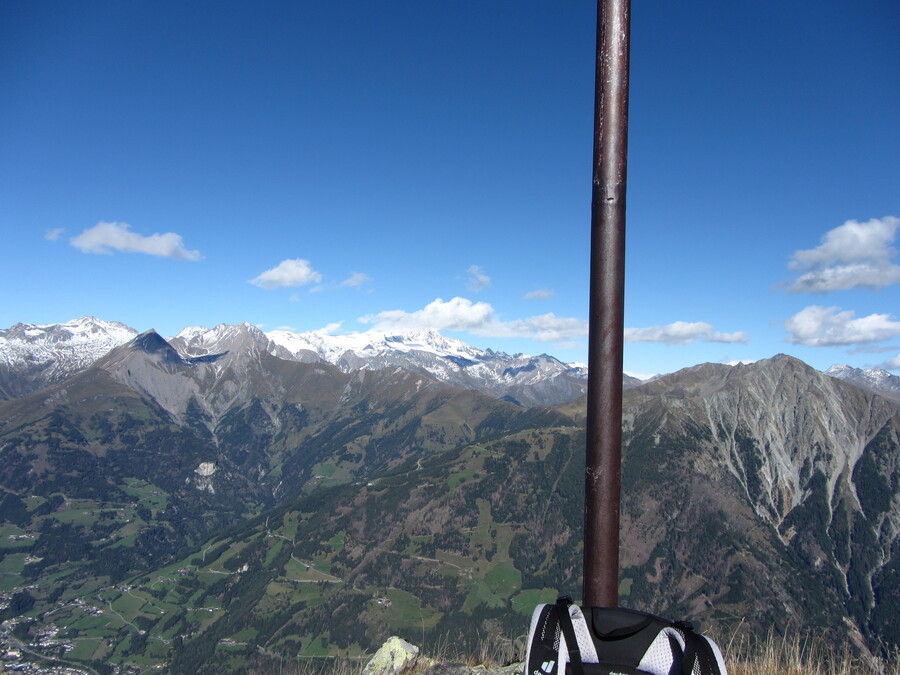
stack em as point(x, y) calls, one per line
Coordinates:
point(802, 655)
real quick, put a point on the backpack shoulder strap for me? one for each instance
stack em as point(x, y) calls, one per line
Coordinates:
point(568, 631)
point(543, 641)
point(699, 655)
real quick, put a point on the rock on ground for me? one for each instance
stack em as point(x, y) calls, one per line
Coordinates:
point(397, 656)
point(394, 656)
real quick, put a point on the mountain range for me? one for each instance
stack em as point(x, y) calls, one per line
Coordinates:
point(228, 497)
point(33, 356)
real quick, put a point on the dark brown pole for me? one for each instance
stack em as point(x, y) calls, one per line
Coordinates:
point(607, 306)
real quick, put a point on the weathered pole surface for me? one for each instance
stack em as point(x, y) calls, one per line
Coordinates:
point(607, 307)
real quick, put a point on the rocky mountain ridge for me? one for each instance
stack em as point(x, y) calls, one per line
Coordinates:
point(809, 457)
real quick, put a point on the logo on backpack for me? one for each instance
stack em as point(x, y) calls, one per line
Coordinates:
point(546, 668)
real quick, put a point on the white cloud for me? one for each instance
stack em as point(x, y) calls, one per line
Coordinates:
point(356, 279)
point(544, 328)
point(853, 255)
point(104, 238)
point(54, 234)
point(872, 349)
point(478, 280)
point(478, 318)
point(892, 364)
point(818, 326)
point(288, 273)
point(455, 314)
point(552, 328)
point(571, 344)
point(845, 277)
point(329, 329)
point(539, 294)
point(682, 333)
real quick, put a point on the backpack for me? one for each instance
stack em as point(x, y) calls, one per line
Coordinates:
point(566, 639)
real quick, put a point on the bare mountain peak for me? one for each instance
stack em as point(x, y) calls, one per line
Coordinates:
point(153, 343)
point(238, 339)
point(148, 347)
point(775, 376)
point(149, 339)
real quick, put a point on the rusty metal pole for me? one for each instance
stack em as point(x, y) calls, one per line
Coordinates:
point(607, 307)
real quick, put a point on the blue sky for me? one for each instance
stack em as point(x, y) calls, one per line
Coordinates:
point(347, 166)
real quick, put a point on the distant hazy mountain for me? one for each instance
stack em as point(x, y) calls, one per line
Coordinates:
point(33, 357)
point(874, 379)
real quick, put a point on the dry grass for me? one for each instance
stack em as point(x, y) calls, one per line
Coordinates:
point(310, 667)
point(799, 655)
point(491, 651)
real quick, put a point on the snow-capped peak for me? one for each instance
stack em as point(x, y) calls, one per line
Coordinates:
point(36, 355)
point(877, 380)
point(188, 333)
point(372, 343)
point(83, 339)
point(446, 359)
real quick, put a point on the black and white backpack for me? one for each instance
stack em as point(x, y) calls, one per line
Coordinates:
point(565, 639)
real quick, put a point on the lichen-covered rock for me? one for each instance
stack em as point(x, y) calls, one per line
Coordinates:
point(392, 658)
